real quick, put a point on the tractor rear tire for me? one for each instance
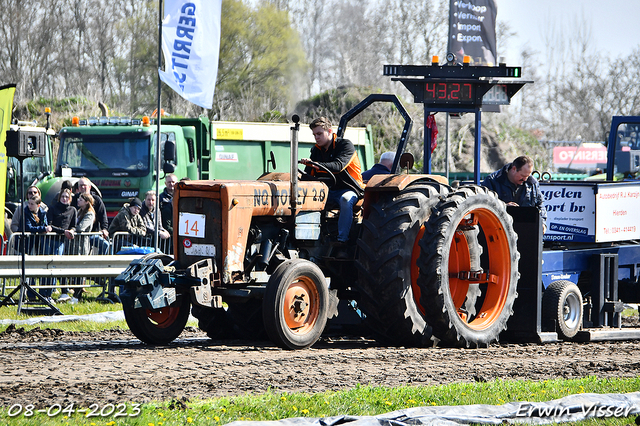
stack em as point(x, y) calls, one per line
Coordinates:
point(446, 275)
point(214, 322)
point(295, 304)
point(562, 309)
point(159, 326)
point(387, 272)
point(246, 319)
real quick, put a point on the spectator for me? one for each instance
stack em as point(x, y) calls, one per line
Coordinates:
point(166, 202)
point(17, 216)
point(35, 222)
point(147, 213)
point(86, 218)
point(128, 220)
point(62, 216)
point(101, 224)
point(381, 168)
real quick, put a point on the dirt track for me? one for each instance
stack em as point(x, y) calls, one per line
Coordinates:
point(44, 367)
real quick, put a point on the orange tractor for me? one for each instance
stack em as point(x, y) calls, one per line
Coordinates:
point(426, 262)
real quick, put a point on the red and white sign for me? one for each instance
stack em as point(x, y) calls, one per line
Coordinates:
point(587, 154)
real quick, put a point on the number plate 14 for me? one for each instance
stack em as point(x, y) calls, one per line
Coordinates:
point(191, 225)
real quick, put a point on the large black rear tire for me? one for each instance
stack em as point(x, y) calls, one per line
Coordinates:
point(213, 321)
point(388, 250)
point(446, 275)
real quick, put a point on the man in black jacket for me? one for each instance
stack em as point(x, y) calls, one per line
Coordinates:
point(165, 202)
point(516, 187)
point(338, 156)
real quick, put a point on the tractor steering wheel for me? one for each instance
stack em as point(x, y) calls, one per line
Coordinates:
point(332, 177)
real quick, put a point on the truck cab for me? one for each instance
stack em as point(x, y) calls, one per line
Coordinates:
point(118, 155)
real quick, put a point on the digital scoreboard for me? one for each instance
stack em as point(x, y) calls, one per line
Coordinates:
point(453, 86)
point(449, 92)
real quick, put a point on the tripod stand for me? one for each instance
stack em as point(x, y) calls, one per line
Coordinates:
point(24, 286)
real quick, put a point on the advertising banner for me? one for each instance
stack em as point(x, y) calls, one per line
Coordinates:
point(571, 212)
point(617, 206)
point(588, 155)
point(472, 31)
point(191, 46)
point(6, 107)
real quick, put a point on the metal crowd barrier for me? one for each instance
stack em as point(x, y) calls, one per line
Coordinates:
point(54, 261)
point(124, 242)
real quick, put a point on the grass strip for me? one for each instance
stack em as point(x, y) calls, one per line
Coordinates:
point(358, 401)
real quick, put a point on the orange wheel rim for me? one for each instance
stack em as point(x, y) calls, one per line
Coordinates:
point(499, 255)
point(164, 317)
point(301, 305)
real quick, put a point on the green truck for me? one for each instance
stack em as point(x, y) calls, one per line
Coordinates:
point(118, 153)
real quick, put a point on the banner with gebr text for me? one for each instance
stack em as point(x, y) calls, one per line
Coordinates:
point(191, 46)
point(6, 107)
point(472, 31)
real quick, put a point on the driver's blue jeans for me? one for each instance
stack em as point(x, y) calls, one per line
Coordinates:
point(345, 199)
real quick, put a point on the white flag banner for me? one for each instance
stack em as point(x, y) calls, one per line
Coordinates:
point(191, 45)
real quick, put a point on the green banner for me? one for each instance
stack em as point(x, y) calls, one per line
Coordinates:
point(6, 108)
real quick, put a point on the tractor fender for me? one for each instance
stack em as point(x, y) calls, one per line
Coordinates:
point(391, 185)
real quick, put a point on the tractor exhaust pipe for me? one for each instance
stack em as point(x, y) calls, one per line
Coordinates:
point(294, 164)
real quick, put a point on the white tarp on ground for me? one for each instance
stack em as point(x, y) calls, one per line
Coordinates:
point(568, 409)
point(98, 317)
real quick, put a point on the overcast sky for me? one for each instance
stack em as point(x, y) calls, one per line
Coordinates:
point(615, 24)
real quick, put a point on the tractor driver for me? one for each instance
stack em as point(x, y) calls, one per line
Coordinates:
point(339, 156)
point(516, 187)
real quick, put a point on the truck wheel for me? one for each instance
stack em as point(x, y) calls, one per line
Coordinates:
point(387, 271)
point(562, 309)
point(446, 273)
point(158, 326)
point(295, 304)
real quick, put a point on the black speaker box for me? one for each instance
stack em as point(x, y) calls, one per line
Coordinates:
point(23, 143)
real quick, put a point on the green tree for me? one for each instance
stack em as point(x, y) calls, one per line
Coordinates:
point(261, 60)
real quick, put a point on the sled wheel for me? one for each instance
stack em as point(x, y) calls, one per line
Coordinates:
point(295, 304)
point(562, 309)
point(447, 277)
point(387, 270)
point(158, 326)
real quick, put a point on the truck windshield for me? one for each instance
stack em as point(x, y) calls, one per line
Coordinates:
point(105, 155)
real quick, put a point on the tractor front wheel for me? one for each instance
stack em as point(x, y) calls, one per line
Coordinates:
point(158, 326)
point(295, 304)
